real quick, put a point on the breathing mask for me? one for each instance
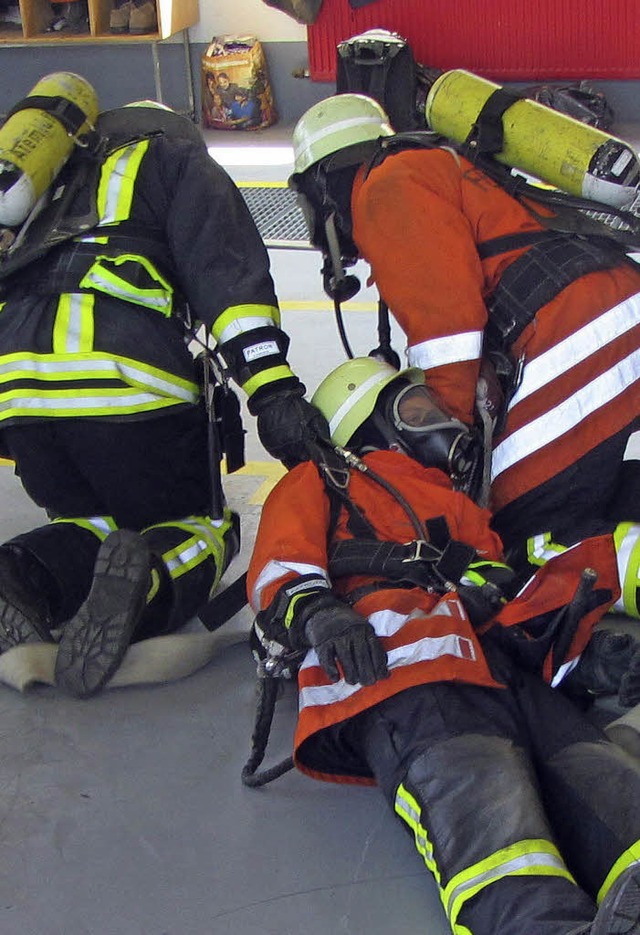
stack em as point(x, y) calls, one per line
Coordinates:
point(410, 419)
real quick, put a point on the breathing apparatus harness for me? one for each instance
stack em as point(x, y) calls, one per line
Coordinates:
point(432, 561)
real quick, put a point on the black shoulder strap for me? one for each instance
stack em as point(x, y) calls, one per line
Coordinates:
point(487, 133)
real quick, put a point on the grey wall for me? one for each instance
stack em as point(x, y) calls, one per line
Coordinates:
point(122, 73)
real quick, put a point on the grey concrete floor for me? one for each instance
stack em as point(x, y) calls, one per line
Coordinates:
point(125, 814)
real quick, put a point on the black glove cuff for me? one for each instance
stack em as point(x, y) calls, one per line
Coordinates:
point(289, 387)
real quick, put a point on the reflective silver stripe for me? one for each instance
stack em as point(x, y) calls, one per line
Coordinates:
point(523, 862)
point(424, 650)
point(566, 415)
point(242, 325)
point(45, 405)
point(118, 181)
point(274, 570)
point(137, 296)
point(555, 362)
point(632, 450)
point(450, 349)
point(100, 526)
point(49, 368)
point(563, 671)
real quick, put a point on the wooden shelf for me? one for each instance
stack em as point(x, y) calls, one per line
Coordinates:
point(174, 16)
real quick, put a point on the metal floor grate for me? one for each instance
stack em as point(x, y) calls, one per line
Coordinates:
point(276, 213)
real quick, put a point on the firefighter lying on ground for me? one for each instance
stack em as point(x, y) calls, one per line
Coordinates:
point(104, 280)
point(454, 258)
point(379, 580)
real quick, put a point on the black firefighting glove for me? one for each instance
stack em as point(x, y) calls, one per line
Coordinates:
point(291, 429)
point(608, 665)
point(346, 644)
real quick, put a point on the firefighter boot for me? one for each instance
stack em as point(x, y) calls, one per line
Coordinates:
point(94, 642)
point(619, 912)
point(24, 608)
point(143, 18)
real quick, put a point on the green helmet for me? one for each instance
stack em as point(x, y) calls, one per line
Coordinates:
point(334, 124)
point(348, 395)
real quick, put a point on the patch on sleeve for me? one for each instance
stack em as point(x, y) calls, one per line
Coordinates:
point(265, 349)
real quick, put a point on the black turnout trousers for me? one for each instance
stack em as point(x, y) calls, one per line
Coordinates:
point(473, 771)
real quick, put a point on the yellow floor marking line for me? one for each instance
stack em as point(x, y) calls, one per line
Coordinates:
point(272, 471)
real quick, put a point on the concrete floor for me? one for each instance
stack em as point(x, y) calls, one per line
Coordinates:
point(125, 814)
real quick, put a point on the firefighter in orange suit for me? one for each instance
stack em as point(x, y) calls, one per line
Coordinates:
point(465, 267)
point(381, 580)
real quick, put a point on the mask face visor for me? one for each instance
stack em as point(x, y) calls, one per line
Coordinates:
point(432, 436)
point(414, 409)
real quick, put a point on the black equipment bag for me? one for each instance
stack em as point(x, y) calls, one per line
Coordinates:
point(381, 65)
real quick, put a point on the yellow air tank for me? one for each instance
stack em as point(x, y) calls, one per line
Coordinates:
point(551, 146)
point(36, 141)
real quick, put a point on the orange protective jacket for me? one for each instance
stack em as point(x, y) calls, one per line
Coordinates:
point(418, 219)
point(427, 637)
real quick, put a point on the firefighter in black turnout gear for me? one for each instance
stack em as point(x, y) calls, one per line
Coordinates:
point(141, 240)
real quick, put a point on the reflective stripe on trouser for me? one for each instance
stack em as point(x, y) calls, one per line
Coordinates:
point(500, 828)
point(452, 762)
point(626, 539)
point(193, 553)
point(67, 548)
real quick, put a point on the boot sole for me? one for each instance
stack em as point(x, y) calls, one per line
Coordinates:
point(94, 642)
point(622, 915)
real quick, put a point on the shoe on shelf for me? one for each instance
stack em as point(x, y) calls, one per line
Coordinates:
point(120, 15)
point(143, 18)
point(72, 17)
point(94, 642)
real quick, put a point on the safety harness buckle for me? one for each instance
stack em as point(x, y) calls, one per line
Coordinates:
point(421, 551)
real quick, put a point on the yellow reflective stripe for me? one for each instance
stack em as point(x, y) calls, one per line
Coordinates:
point(104, 239)
point(531, 857)
point(238, 319)
point(537, 857)
point(117, 182)
point(73, 327)
point(101, 277)
point(98, 365)
point(541, 548)
point(2, 305)
point(205, 539)
point(626, 539)
point(288, 617)
point(407, 809)
point(66, 403)
point(270, 375)
point(154, 587)
point(627, 859)
point(100, 526)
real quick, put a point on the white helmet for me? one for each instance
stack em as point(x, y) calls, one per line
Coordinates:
point(337, 123)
